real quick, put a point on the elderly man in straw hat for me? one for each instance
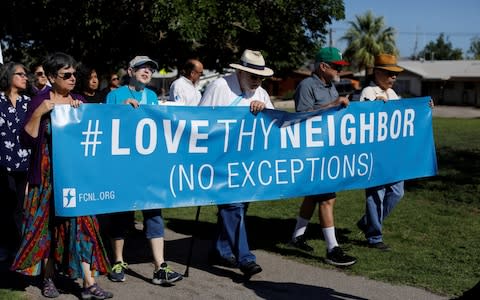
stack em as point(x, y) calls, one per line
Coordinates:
point(385, 72)
point(380, 200)
point(242, 88)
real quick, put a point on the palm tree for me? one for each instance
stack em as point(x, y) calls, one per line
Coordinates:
point(475, 47)
point(367, 37)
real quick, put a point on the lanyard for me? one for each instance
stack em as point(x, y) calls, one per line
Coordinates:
point(235, 102)
point(144, 97)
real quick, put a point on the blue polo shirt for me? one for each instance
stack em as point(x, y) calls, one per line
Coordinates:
point(312, 92)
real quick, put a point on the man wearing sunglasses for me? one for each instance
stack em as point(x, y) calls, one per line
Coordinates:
point(380, 200)
point(242, 88)
point(385, 72)
point(318, 92)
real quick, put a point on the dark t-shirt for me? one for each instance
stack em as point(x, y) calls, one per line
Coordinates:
point(98, 97)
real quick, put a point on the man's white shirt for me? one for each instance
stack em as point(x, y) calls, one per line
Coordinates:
point(184, 92)
point(373, 92)
point(226, 91)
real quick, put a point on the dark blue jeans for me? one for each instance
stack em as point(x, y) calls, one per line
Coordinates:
point(380, 202)
point(231, 237)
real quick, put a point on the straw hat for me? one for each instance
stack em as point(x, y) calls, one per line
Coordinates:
point(253, 62)
point(387, 62)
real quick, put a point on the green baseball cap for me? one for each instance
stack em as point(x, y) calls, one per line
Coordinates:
point(330, 55)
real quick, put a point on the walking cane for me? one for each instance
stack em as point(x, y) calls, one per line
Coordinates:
point(192, 240)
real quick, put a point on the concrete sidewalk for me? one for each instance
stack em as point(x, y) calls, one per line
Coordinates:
point(281, 279)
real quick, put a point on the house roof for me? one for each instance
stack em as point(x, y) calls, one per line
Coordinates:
point(442, 69)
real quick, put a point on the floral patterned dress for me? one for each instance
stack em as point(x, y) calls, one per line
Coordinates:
point(69, 241)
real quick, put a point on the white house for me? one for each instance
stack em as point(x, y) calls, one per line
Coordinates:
point(454, 82)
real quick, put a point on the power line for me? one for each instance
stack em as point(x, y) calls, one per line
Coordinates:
point(450, 34)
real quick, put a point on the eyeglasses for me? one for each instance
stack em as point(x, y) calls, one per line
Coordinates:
point(39, 74)
point(21, 74)
point(335, 67)
point(67, 75)
point(254, 77)
point(116, 78)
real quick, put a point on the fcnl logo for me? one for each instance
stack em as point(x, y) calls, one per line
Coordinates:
point(69, 197)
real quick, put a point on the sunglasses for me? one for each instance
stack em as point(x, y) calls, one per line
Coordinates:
point(39, 74)
point(254, 77)
point(335, 67)
point(67, 75)
point(21, 74)
point(116, 78)
point(391, 73)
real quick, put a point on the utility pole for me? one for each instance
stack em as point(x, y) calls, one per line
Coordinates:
point(415, 46)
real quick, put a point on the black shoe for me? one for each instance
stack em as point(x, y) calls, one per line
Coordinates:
point(362, 226)
point(165, 275)
point(215, 259)
point(380, 246)
point(338, 258)
point(250, 268)
point(301, 243)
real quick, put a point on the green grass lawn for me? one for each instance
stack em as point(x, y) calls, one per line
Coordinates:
point(434, 232)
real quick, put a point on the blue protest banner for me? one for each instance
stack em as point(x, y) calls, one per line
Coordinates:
point(110, 158)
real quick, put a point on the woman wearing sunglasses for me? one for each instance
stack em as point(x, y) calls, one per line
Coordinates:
point(40, 82)
point(69, 245)
point(113, 82)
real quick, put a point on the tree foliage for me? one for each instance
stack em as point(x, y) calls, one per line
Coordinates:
point(107, 34)
point(474, 49)
point(441, 49)
point(368, 36)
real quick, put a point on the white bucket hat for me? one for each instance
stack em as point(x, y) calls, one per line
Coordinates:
point(253, 62)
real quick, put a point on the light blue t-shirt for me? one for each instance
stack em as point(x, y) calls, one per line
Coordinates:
point(117, 96)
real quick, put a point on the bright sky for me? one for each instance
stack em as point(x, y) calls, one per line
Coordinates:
point(418, 21)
